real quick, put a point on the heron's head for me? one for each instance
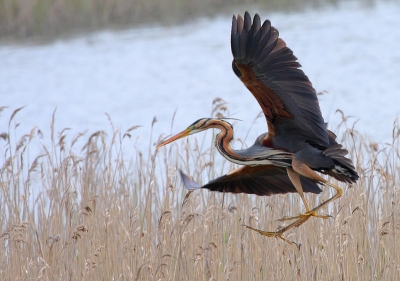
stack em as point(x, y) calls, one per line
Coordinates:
point(196, 127)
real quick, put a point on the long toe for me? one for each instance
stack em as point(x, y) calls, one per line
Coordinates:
point(314, 214)
point(290, 218)
point(277, 234)
point(308, 214)
point(262, 232)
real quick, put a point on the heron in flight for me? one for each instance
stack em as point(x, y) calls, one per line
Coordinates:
point(297, 145)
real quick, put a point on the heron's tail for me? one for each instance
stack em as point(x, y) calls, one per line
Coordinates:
point(343, 170)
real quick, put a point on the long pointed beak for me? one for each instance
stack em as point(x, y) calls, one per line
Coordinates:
point(182, 134)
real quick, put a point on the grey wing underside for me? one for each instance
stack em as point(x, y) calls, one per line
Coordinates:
point(263, 180)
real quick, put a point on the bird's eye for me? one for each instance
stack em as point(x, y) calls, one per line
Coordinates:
point(195, 123)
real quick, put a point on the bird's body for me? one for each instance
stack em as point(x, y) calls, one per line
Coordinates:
point(297, 143)
point(264, 171)
point(329, 159)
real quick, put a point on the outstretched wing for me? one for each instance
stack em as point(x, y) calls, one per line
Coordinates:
point(271, 72)
point(260, 180)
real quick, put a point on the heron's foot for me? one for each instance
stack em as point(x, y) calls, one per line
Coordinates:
point(306, 215)
point(314, 214)
point(277, 234)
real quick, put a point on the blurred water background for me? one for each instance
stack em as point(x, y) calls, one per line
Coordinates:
point(140, 60)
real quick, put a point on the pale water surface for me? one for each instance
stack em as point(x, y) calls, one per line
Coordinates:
point(352, 52)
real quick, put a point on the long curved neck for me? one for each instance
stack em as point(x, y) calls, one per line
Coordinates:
point(254, 155)
point(223, 140)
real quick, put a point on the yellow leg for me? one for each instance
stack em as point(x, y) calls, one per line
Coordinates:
point(279, 232)
point(295, 179)
point(307, 214)
point(304, 170)
point(304, 217)
point(338, 194)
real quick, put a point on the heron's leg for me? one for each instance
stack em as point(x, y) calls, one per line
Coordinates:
point(295, 179)
point(338, 194)
point(306, 171)
point(301, 219)
point(279, 232)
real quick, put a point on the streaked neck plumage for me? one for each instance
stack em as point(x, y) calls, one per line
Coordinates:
point(255, 155)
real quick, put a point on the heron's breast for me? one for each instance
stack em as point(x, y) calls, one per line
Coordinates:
point(274, 143)
point(267, 142)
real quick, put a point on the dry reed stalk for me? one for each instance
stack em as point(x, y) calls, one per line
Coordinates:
point(98, 214)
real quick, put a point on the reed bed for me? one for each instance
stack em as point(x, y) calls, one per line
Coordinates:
point(93, 212)
point(47, 19)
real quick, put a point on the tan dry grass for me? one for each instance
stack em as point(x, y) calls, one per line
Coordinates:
point(46, 19)
point(100, 214)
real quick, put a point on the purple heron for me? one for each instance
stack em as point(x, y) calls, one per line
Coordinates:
point(297, 145)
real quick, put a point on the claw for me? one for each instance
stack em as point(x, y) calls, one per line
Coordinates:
point(314, 214)
point(289, 218)
point(277, 234)
point(306, 215)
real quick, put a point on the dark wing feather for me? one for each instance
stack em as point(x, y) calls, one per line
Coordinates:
point(343, 169)
point(271, 72)
point(260, 180)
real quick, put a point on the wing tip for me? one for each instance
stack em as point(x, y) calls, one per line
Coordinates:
point(188, 181)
